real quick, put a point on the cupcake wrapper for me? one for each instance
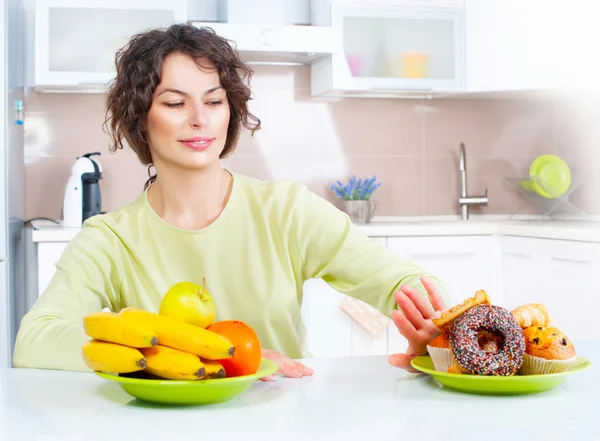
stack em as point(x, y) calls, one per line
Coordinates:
point(441, 358)
point(539, 366)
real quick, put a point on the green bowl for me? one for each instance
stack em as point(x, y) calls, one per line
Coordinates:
point(493, 385)
point(175, 392)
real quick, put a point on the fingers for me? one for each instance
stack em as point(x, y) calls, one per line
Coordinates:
point(293, 369)
point(434, 296)
point(286, 366)
point(420, 303)
point(306, 370)
point(406, 328)
point(268, 378)
point(402, 361)
point(408, 307)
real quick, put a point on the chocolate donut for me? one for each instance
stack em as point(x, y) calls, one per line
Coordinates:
point(468, 353)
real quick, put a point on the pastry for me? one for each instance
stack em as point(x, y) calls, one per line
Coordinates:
point(445, 320)
point(532, 314)
point(439, 351)
point(503, 341)
point(547, 351)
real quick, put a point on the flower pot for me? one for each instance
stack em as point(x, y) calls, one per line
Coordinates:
point(361, 211)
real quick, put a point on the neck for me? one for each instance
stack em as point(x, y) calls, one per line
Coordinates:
point(190, 200)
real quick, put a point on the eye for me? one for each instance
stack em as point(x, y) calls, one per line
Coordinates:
point(215, 102)
point(173, 105)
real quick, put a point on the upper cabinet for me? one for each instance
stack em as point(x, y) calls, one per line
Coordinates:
point(533, 45)
point(355, 48)
point(411, 48)
point(76, 40)
point(512, 45)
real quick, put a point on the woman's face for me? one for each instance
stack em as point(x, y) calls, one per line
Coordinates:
point(188, 119)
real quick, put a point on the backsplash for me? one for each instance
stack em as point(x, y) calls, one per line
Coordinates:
point(411, 145)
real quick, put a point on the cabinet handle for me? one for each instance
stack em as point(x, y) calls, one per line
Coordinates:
point(430, 255)
point(523, 255)
point(2, 260)
point(578, 261)
point(424, 89)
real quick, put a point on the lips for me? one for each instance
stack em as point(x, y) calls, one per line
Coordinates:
point(197, 143)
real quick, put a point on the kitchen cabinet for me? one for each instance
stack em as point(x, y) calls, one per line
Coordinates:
point(408, 48)
point(48, 254)
point(516, 46)
point(560, 274)
point(75, 41)
point(329, 330)
point(465, 263)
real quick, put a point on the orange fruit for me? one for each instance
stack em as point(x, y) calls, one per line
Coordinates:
point(247, 353)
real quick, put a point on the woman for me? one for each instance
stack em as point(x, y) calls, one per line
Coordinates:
point(179, 101)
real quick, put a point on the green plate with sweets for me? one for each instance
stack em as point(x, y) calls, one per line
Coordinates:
point(498, 385)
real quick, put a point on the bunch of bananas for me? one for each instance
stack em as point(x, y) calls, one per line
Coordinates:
point(163, 347)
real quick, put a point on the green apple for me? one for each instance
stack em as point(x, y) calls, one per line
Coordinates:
point(189, 302)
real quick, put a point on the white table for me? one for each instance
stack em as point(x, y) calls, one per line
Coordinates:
point(360, 398)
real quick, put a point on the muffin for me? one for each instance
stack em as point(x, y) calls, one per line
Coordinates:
point(547, 351)
point(439, 351)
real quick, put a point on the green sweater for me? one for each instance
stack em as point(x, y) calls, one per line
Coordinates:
point(269, 239)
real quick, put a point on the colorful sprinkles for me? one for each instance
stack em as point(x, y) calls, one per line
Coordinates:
point(465, 346)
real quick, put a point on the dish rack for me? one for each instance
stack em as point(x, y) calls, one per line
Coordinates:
point(557, 206)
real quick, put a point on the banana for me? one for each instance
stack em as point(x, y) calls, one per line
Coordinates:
point(213, 369)
point(113, 328)
point(173, 364)
point(180, 335)
point(111, 357)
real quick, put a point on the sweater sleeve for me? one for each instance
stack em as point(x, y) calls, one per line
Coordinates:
point(334, 249)
point(51, 333)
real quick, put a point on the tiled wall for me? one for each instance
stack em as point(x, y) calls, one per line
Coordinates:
point(411, 145)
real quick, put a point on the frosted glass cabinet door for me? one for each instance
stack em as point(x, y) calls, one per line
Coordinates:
point(76, 41)
point(402, 48)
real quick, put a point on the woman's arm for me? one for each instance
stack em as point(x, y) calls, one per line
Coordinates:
point(51, 333)
point(333, 248)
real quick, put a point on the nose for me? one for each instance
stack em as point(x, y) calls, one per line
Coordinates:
point(197, 116)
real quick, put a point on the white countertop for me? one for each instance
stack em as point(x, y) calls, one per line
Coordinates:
point(587, 231)
point(360, 398)
point(528, 226)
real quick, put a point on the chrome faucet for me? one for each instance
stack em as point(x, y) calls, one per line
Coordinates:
point(465, 200)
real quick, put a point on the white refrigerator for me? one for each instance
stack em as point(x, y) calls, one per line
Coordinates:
point(12, 262)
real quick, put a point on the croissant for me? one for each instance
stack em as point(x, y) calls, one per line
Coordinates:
point(532, 314)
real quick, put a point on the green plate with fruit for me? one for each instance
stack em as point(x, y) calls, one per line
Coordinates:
point(492, 385)
point(176, 392)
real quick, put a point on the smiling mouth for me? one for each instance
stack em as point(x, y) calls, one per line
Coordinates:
point(198, 143)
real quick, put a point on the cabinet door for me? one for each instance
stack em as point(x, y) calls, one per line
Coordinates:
point(331, 332)
point(363, 343)
point(76, 41)
point(512, 45)
point(560, 274)
point(48, 253)
point(328, 328)
point(394, 48)
point(465, 264)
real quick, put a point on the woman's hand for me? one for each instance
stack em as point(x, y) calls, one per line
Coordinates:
point(415, 324)
point(287, 366)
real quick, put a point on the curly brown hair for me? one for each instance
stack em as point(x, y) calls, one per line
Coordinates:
point(139, 67)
